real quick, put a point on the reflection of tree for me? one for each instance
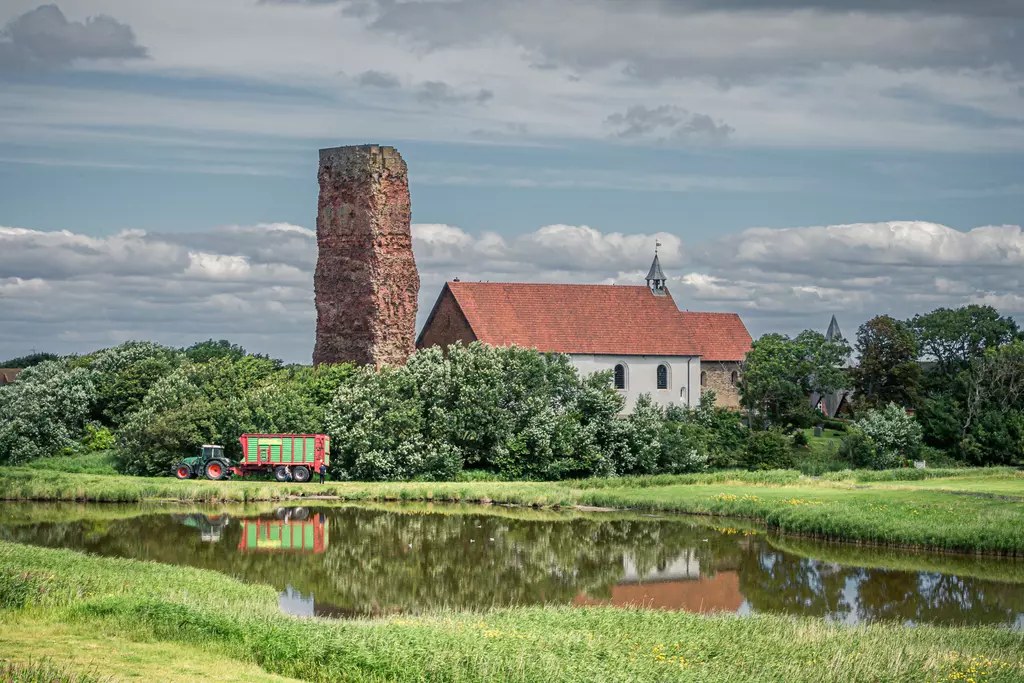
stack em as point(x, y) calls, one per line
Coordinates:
point(378, 560)
point(774, 581)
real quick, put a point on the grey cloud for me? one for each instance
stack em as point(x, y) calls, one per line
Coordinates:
point(44, 39)
point(667, 123)
point(438, 93)
point(378, 79)
point(656, 39)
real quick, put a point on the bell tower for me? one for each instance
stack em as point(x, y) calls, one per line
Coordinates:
point(655, 276)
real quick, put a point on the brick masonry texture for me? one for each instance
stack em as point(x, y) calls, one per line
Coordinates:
point(366, 283)
point(718, 378)
point(447, 324)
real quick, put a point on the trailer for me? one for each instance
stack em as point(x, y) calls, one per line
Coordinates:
point(291, 457)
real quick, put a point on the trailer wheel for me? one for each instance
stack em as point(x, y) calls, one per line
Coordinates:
point(300, 514)
point(300, 473)
point(216, 470)
point(281, 473)
point(183, 472)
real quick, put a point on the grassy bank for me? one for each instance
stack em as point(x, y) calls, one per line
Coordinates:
point(952, 510)
point(64, 595)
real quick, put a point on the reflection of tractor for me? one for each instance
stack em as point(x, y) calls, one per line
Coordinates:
point(293, 531)
point(211, 527)
point(290, 457)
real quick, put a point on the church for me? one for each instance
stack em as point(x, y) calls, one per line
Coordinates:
point(635, 331)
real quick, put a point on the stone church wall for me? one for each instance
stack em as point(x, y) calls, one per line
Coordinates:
point(718, 378)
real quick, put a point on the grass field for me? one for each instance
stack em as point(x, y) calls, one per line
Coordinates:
point(954, 510)
point(129, 619)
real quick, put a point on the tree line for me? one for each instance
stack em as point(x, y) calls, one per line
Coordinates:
point(512, 413)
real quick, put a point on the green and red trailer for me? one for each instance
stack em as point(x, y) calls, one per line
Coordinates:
point(289, 457)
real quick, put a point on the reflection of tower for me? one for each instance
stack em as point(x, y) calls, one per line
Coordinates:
point(294, 533)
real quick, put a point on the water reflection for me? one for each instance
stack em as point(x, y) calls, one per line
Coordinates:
point(357, 561)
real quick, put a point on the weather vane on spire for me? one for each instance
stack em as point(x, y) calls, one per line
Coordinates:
point(656, 245)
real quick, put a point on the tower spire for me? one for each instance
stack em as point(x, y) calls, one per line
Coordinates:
point(655, 276)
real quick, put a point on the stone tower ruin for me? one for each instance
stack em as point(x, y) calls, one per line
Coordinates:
point(366, 282)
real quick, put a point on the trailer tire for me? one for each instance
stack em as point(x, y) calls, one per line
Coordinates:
point(300, 473)
point(216, 470)
point(300, 514)
point(281, 473)
point(183, 471)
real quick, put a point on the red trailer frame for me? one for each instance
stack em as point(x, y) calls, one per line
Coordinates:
point(267, 460)
point(284, 536)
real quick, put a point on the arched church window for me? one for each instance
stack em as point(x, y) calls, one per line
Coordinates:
point(703, 378)
point(620, 376)
point(735, 378)
point(663, 376)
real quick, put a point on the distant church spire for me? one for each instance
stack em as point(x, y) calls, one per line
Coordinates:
point(834, 333)
point(655, 276)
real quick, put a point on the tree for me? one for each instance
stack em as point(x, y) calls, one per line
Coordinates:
point(44, 411)
point(955, 337)
point(888, 371)
point(201, 352)
point(780, 373)
point(28, 361)
point(993, 421)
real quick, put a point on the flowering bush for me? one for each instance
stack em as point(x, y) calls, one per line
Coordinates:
point(894, 437)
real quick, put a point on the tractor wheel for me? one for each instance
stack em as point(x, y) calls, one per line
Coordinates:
point(281, 473)
point(300, 474)
point(183, 472)
point(216, 470)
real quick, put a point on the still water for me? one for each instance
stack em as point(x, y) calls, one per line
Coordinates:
point(344, 561)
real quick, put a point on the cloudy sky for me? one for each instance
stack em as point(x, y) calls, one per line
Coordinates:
point(795, 157)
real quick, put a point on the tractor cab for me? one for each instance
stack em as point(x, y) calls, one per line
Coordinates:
point(211, 452)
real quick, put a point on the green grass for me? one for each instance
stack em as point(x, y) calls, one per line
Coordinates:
point(101, 462)
point(42, 672)
point(208, 614)
point(953, 510)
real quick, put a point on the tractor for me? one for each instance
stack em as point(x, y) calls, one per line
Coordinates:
point(210, 463)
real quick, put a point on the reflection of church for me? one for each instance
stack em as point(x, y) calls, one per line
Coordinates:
point(678, 586)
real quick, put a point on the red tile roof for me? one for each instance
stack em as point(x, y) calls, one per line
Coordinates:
point(719, 336)
point(598, 319)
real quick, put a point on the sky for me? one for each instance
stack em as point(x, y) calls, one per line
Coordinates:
point(796, 158)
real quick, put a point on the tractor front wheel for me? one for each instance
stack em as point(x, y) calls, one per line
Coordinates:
point(183, 472)
point(216, 470)
point(281, 473)
point(300, 473)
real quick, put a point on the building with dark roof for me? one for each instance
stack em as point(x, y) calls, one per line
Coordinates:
point(637, 332)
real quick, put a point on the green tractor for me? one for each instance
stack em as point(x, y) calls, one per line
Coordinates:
point(210, 463)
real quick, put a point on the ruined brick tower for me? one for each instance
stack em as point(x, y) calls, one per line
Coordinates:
point(366, 281)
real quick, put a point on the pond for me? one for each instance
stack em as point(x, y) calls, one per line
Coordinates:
point(349, 561)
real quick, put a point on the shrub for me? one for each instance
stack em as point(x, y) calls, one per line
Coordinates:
point(858, 449)
point(895, 435)
point(684, 447)
point(800, 438)
point(768, 450)
point(97, 438)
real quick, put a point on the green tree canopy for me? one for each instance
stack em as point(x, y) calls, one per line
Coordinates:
point(955, 337)
point(888, 371)
point(779, 373)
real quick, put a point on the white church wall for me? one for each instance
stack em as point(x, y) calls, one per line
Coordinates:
point(642, 377)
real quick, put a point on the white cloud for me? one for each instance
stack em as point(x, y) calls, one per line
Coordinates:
point(73, 292)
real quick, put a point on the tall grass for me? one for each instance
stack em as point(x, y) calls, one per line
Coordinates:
point(43, 672)
point(193, 607)
point(100, 463)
